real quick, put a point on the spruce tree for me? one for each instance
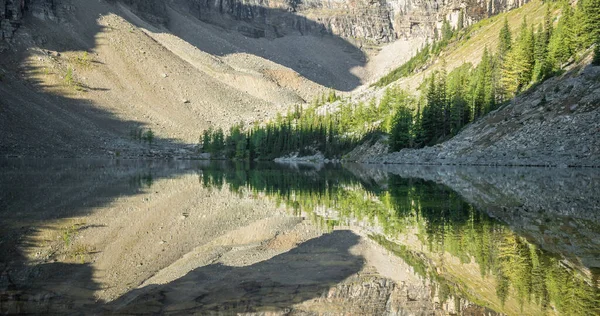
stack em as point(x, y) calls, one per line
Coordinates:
point(505, 40)
point(561, 46)
point(519, 62)
point(428, 119)
point(402, 128)
point(591, 22)
point(206, 140)
point(542, 68)
point(461, 20)
point(446, 30)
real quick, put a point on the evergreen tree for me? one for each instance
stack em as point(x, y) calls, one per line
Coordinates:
point(505, 40)
point(428, 119)
point(591, 22)
point(461, 20)
point(542, 68)
point(206, 140)
point(446, 30)
point(401, 133)
point(518, 65)
point(561, 46)
point(458, 81)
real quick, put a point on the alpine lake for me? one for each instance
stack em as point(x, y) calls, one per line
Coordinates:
point(199, 237)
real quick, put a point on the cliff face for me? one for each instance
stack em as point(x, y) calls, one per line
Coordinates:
point(365, 21)
point(12, 12)
point(370, 21)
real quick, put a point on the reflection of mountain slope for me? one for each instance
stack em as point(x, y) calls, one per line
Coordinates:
point(557, 208)
point(98, 229)
point(443, 237)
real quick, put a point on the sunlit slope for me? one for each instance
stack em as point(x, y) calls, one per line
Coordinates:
point(84, 83)
point(485, 33)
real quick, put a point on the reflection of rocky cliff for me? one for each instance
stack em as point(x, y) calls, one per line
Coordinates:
point(374, 21)
point(559, 209)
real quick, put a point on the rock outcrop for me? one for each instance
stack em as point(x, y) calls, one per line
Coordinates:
point(11, 13)
point(365, 21)
point(554, 124)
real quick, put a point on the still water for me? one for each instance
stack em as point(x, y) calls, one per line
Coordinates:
point(137, 237)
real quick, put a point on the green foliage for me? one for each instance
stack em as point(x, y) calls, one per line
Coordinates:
point(408, 68)
point(402, 130)
point(84, 60)
point(444, 224)
point(301, 131)
point(447, 103)
point(69, 77)
point(148, 136)
point(446, 31)
point(590, 22)
point(505, 40)
point(561, 46)
point(141, 135)
point(461, 20)
point(596, 60)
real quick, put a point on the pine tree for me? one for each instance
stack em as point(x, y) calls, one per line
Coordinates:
point(443, 104)
point(509, 79)
point(206, 140)
point(457, 85)
point(428, 119)
point(525, 54)
point(518, 64)
point(446, 30)
point(542, 68)
point(461, 20)
point(591, 22)
point(505, 40)
point(561, 46)
point(401, 133)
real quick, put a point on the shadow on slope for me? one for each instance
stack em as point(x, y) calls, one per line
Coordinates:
point(34, 194)
point(37, 119)
point(274, 285)
point(283, 37)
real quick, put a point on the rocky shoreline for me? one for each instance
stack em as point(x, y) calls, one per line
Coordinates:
point(553, 125)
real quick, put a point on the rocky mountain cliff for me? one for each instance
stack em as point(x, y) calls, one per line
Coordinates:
point(363, 21)
point(12, 11)
point(370, 21)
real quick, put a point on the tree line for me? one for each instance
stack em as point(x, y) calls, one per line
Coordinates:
point(447, 102)
point(442, 219)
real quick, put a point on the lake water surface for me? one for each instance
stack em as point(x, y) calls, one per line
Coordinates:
point(181, 237)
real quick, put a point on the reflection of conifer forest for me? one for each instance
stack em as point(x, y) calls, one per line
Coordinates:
point(447, 101)
point(444, 223)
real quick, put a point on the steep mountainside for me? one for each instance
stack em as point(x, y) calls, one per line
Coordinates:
point(376, 21)
point(553, 124)
point(80, 78)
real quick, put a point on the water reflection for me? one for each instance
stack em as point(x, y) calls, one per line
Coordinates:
point(433, 228)
point(469, 233)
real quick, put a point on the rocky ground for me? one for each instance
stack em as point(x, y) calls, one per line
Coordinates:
point(77, 79)
point(554, 124)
